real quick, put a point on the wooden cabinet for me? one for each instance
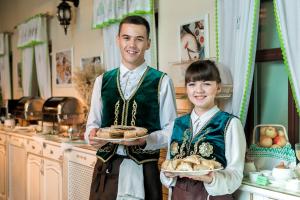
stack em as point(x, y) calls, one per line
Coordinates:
point(34, 177)
point(44, 171)
point(79, 170)
point(17, 168)
point(52, 180)
point(3, 171)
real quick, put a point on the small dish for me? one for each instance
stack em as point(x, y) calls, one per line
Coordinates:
point(266, 173)
point(282, 174)
point(253, 176)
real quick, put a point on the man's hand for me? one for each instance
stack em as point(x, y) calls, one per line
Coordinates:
point(93, 142)
point(93, 133)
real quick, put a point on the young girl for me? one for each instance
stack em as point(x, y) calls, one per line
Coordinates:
point(210, 133)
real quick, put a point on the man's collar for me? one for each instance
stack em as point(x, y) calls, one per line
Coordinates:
point(139, 70)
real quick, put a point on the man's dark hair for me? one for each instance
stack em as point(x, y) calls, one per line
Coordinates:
point(202, 70)
point(137, 20)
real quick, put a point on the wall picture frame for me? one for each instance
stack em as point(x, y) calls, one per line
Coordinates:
point(63, 67)
point(194, 39)
point(95, 61)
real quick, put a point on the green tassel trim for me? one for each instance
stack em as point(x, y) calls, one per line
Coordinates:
point(284, 55)
point(31, 44)
point(285, 153)
point(247, 86)
point(217, 30)
point(113, 21)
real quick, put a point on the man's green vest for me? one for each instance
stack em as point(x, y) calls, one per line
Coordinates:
point(140, 109)
point(209, 142)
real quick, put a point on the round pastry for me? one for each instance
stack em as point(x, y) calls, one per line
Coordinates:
point(115, 133)
point(130, 134)
point(103, 133)
point(211, 164)
point(122, 132)
point(124, 128)
point(200, 167)
point(167, 165)
point(195, 159)
point(183, 166)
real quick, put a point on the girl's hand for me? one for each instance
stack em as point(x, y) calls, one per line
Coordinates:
point(208, 178)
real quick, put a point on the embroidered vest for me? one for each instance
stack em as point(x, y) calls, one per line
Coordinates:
point(140, 109)
point(209, 142)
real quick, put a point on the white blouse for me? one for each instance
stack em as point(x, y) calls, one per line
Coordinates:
point(228, 180)
point(129, 80)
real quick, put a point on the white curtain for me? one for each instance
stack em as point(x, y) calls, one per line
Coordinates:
point(111, 53)
point(27, 65)
point(288, 26)
point(5, 67)
point(108, 13)
point(237, 24)
point(43, 69)
point(33, 42)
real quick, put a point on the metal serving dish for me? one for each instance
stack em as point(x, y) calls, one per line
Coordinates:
point(64, 110)
point(29, 108)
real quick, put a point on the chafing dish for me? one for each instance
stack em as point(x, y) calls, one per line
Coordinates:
point(29, 108)
point(63, 110)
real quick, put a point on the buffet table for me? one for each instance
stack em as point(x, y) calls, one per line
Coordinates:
point(31, 164)
point(253, 191)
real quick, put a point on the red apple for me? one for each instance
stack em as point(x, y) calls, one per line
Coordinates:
point(279, 140)
point(271, 132)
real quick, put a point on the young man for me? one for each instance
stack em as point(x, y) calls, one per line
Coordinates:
point(133, 94)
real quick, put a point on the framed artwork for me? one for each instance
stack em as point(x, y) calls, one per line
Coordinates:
point(95, 61)
point(63, 67)
point(194, 40)
point(19, 75)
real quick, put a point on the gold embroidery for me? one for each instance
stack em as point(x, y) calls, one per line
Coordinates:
point(126, 102)
point(117, 105)
point(106, 148)
point(174, 148)
point(206, 149)
point(138, 150)
point(196, 146)
point(134, 109)
point(185, 142)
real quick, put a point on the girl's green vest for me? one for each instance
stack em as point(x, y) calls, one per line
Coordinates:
point(140, 109)
point(209, 142)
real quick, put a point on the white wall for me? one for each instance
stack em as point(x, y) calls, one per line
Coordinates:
point(87, 42)
point(172, 14)
point(84, 41)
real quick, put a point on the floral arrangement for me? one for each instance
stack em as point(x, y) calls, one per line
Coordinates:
point(84, 79)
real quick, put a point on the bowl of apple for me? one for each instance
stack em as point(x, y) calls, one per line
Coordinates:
point(270, 135)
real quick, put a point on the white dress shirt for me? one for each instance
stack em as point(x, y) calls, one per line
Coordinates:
point(129, 80)
point(228, 180)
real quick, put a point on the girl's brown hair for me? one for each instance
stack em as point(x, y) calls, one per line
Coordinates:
point(202, 70)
